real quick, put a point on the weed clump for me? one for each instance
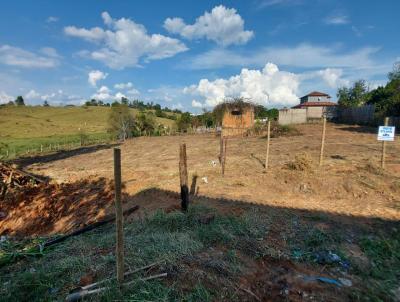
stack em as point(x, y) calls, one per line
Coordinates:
point(284, 130)
point(302, 162)
point(373, 169)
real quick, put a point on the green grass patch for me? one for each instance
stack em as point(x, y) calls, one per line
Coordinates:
point(162, 236)
point(383, 274)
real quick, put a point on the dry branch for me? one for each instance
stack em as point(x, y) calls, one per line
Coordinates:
point(108, 219)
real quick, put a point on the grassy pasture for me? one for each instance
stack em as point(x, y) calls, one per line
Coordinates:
point(27, 128)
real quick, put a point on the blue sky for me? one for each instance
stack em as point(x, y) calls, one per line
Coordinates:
point(193, 54)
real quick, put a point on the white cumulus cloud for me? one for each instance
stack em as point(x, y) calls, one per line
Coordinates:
point(333, 77)
point(32, 95)
point(14, 56)
point(105, 94)
point(5, 98)
point(197, 104)
point(222, 25)
point(96, 75)
point(125, 42)
point(268, 86)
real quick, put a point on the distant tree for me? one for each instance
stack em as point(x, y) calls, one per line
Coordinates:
point(19, 101)
point(121, 123)
point(46, 104)
point(11, 103)
point(160, 113)
point(124, 100)
point(272, 114)
point(92, 102)
point(184, 121)
point(145, 124)
point(354, 96)
point(395, 73)
point(260, 112)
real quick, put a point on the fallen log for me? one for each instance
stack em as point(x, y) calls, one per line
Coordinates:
point(108, 219)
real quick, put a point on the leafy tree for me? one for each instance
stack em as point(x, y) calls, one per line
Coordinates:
point(124, 100)
point(354, 96)
point(46, 104)
point(160, 113)
point(260, 112)
point(387, 98)
point(184, 121)
point(395, 73)
point(92, 102)
point(145, 123)
point(19, 101)
point(121, 123)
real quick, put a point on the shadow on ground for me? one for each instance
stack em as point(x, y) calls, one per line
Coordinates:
point(359, 129)
point(281, 265)
point(59, 155)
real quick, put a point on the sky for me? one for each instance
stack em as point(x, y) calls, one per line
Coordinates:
point(191, 55)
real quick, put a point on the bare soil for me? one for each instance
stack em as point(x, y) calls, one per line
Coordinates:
point(350, 181)
point(350, 193)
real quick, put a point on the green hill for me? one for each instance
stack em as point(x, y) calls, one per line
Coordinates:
point(24, 129)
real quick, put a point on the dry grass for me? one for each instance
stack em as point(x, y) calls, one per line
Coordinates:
point(302, 162)
point(337, 187)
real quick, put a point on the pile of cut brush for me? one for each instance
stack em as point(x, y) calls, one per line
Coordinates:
point(13, 179)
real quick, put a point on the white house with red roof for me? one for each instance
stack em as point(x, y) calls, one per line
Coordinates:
point(315, 99)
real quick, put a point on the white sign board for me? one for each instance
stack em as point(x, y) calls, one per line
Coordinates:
point(386, 133)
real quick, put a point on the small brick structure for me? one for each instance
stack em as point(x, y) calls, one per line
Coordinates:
point(237, 120)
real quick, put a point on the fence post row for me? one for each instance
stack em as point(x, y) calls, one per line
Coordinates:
point(386, 123)
point(183, 177)
point(119, 216)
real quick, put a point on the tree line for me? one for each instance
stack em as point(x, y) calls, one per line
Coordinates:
point(386, 98)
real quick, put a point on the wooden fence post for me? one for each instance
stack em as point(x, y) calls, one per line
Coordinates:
point(384, 146)
point(221, 148)
point(183, 177)
point(268, 139)
point(223, 155)
point(321, 154)
point(119, 216)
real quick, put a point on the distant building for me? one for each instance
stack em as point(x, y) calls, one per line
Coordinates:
point(315, 96)
point(237, 118)
point(317, 104)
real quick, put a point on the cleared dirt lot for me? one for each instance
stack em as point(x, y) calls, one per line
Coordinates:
point(350, 181)
point(249, 236)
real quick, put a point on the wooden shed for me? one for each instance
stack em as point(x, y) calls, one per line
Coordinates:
point(237, 117)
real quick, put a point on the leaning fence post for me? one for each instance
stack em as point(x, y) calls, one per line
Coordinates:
point(183, 177)
point(119, 216)
point(268, 139)
point(384, 146)
point(321, 154)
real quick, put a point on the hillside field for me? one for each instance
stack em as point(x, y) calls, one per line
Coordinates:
point(26, 128)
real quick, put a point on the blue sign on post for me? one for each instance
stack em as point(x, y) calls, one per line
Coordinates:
point(386, 133)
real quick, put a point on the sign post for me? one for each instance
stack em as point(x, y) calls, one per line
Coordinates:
point(385, 134)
